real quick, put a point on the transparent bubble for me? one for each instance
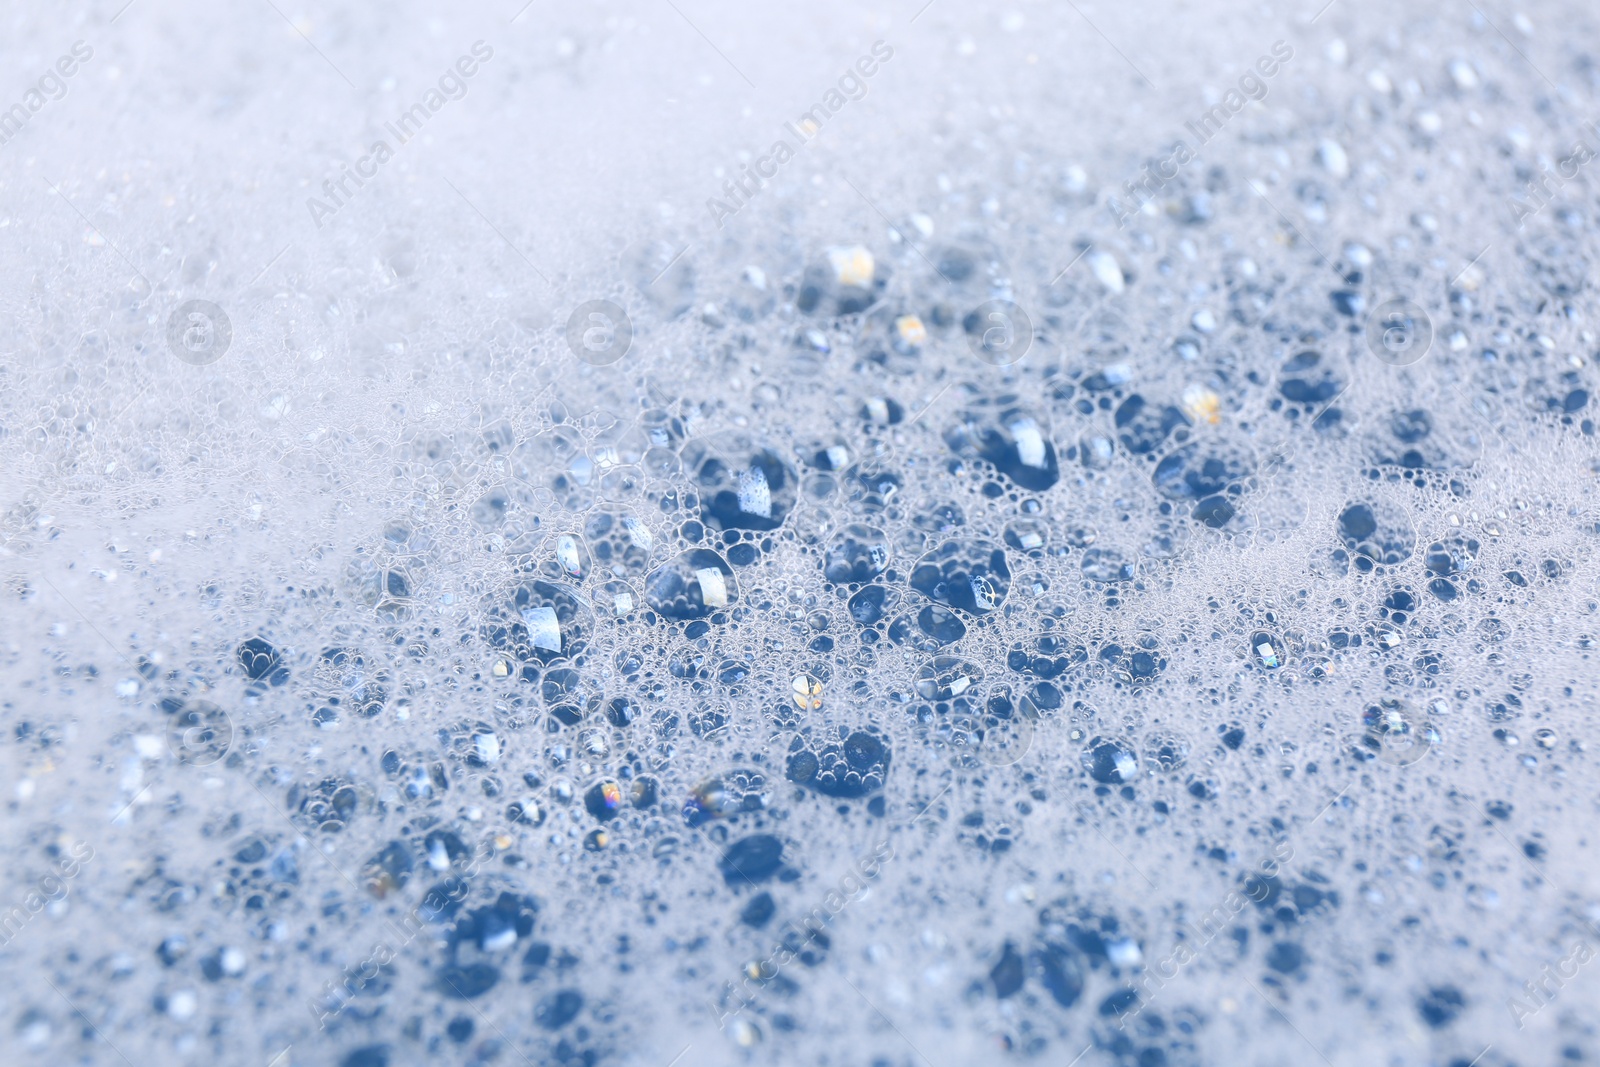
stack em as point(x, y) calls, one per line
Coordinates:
point(694, 585)
point(1015, 441)
point(1397, 733)
point(742, 486)
point(1111, 761)
point(972, 576)
point(1107, 565)
point(947, 678)
point(857, 554)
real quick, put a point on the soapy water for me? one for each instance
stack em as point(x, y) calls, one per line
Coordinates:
point(948, 593)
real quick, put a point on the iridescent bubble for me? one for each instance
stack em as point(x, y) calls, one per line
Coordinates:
point(1267, 650)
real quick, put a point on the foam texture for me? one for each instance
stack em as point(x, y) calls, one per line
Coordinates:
point(1010, 580)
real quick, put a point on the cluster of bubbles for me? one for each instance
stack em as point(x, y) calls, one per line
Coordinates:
point(907, 628)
